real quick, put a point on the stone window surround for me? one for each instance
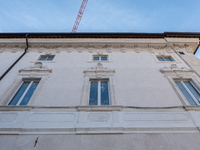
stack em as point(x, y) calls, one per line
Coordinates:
point(91, 55)
point(37, 72)
point(30, 80)
point(98, 73)
point(36, 59)
point(175, 73)
point(172, 56)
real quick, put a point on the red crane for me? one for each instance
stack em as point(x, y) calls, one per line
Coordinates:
point(79, 16)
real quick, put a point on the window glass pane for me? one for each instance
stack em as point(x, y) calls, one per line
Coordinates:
point(185, 93)
point(104, 93)
point(160, 59)
point(95, 58)
point(42, 58)
point(29, 93)
point(193, 90)
point(49, 58)
point(93, 93)
point(167, 59)
point(19, 93)
point(104, 58)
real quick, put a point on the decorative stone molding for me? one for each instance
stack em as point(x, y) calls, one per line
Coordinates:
point(98, 117)
point(40, 50)
point(169, 49)
point(48, 53)
point(108, 48)
point(58, 50)
point(99, 71)
point(189, 50)
point(37, 68)
point(155, 116)
point(80, 49)
point(123, 48)
point(136, 49)
point(150, 49)
point(174, 70)
point(178, 47)
point(69, 50)
point(51, 117)
point(91, 48)
point(100, 52)
point(14, 50)
point(8, 117)
point(2, 50)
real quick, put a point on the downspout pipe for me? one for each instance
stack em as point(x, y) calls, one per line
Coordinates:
point(16, 60)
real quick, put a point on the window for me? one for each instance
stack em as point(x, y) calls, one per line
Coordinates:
point(46, 58)
point(100, 58)
point(190, 91)
point(99, 92)
point(24, 93)
point(164, 58)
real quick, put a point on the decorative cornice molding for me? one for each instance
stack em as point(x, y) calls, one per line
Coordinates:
point(109, 46)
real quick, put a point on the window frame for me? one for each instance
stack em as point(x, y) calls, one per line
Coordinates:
point(175, 73)
point(99, 92)
point(196, 87)
point(98, 72)
point(37, 57)
point(46, 58)
point(100, 58)
point(172, 56)
point(25, 92)
point(92, 55)
point(164, 60)
point(35, 72)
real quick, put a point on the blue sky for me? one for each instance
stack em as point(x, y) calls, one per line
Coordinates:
point(149, 16)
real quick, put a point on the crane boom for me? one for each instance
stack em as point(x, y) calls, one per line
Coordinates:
point(79, 16)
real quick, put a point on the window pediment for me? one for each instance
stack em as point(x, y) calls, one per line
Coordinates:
point(36, 68)
point(99, 71)
point(174, 70)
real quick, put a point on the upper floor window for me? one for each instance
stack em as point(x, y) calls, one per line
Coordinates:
point(46, 58)
point(99, 92)
point(164, 58)
point(23, 93)
point(190, 91)
point(100, 58)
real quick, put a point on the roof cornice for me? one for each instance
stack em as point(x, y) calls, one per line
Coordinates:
point(103, 35)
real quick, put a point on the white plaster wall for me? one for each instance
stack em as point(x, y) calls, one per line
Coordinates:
point(137, 80)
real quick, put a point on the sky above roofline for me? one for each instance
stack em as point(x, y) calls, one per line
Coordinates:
point(146, 16)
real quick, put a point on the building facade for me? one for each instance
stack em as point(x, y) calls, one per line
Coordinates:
point(99, 91)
